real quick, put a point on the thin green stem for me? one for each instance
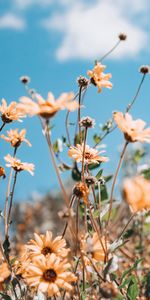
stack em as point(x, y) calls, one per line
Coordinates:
point(2, 126)
point(136, 95)
point(130, 219)
point(83, 154)
point(79, 114)
point(11, 201)
point(110, 51)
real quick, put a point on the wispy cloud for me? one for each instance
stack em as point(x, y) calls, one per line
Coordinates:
point(88, 31)
point(12, 21)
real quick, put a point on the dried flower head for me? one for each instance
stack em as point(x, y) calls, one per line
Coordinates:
point(4, 271)
point(91, 155)
point(81, 191)
point(45, 244)
point(25, 79)
point(49, 275)
point(136, 192)
point(133, 129)
point(2, 172)
point(47, 108)
point(122, 36)
point(144, 69)
point(16, 138)
point(10, 112)
point(87, 122)
point(100, 79)
point(17, 165)
point(82, 81)
point(90, 180)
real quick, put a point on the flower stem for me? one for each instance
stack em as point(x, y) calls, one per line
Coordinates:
point(130, 219)
point(2, 126)
point(79, 114)
point(136, 95)
point(11, 201)
point(83, 154)
point(110, 51)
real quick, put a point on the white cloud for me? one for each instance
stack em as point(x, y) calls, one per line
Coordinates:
point(88, 31)
point(11, 21)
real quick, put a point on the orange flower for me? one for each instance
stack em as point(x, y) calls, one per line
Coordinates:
point(48, 108)
point(2, 172)
point(92, 247)
point(10, 112)
point(48, 274)
point(81, 191)
point(136, 192)
point(16, 138)
point(44, 245)
point(133, 129)
point(4, 272)
point(99, 78)
point(17, 165)
point(91, 155)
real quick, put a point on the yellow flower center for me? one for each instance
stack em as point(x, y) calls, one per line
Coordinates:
point(50, 275)
point(46, 250)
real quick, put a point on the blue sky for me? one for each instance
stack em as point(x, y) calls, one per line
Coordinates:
point(54, 42)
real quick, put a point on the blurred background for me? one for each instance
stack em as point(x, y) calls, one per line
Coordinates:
point(55, 41)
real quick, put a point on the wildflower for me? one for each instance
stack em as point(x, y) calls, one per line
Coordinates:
point(90, 180)
point(144, 69)
point(47, 108)
point(49, 274)
point(25, 79)
point(10, 112)
point(136, 192)
point(16, 138)
point(44, 245)
point(93, 247)
point(4, 272)
point(91, 155)
point(122, 36)
point(81, 191)
point(99, 78)
point(82, 81)
point(2, 172)
point(87, 122)
point(17, 165)
point(133, 129)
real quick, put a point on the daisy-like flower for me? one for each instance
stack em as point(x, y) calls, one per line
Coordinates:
point(17, 165)
point(49, 275)
point(2, 172)
point(91, 155)
point(133, 129)
point(45, 244)
point(100, 79)
point(15, 137)
point(4, 272)
point(10, 112)
point(136, 192)
point(94, 249)
point(81, 191)
point(48, 108)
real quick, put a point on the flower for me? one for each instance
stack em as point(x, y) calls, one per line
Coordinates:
point(133, 129)
point(25, 79)
point(136, 192)
point(91, 155)
point(2, 172)
point(144, 69)
point(17, 165)
point(10, 112)
point(99, 78)
point(44, 245)
point(122, 36)
point(81, 190)
point(47, 108)
point(49, 274)
point(93, 247)
point(4, 272)
point(87, 122)
point(16, 138)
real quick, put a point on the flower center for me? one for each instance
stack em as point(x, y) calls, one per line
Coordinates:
point(50, 275)
point(46, 250)
point(87, 155)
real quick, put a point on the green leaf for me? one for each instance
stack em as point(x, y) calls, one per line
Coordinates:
point(99, 174)
point(6, 246)
point(104, 194)
point(96, 138)
point(94, 166)
point(146, 173)
point(5, 297)
point(107, 178)
point(76, 174)
point(133, 290)
point(128, 271)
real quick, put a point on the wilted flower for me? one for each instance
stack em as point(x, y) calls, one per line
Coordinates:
point(122, 36)
point(4, 272)
point(2, 172)
point(136, 192)
point(144, 69)
point(90, 180)
point(87, 122)
point(81, 191)
point(25, 79)
point(99, 78)
point(49, 274)
point(82, 81)
point(10, 112)
point(15, 137)
point(47, 108)
point(44, 245)
point(91, 155)
point(17, 165)
point(133, 129)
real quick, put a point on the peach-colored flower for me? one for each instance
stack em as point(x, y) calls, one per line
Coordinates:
point(44, 245)
point(4, 272)
point(48, 108)
point(2, 172)
point(99, 78)
point(10, 112)
point(81, 191)
point(93, 248)
point(91, 155)
point(133, 129)
point(15, 137)
point(17, 165)
point(49, 274)
point(136, 191)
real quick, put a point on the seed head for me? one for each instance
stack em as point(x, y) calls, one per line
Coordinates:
point(25, 79)
point(87, 122)
point(90, 180)
point(82, 81)
point(122, 36)
point(144, 69)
